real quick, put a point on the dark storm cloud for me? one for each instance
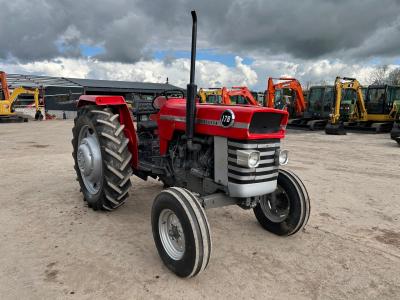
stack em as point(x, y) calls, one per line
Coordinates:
point(44, 29)
point(307, 29)
point(130, 30)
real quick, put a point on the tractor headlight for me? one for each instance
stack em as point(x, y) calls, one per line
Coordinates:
point(248, 158)
point(254, 159)
point(283, 157)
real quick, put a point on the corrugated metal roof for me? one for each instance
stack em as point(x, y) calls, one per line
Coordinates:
point(129, 85)
point(15, 80)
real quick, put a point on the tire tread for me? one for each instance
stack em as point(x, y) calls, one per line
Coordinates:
point(116, 155)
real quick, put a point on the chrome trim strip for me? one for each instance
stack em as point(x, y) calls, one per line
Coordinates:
point(173, 118)
point(209, 122)
point(241, 125)
point(253, 146)
point(253, 177)
point(269, 145)
point(219, 123)
point(250, 170)
point(262, 161)
point(269, 153)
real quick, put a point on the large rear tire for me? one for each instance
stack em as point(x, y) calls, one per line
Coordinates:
point(102, 159)
point(181, 232)
point(286, 211)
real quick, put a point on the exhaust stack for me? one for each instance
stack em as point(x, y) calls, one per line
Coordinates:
point(191, 88)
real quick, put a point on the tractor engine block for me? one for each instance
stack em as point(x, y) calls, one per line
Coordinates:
point(194, 171)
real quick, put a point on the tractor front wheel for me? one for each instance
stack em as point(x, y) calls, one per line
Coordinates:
point(181, 232)
point(286, 211)
point(102, 159)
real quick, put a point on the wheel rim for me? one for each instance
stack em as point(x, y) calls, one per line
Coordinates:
point(171, 234)
point(89, 159)
point(276, 206)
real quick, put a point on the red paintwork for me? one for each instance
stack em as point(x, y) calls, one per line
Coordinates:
point(124, 118)
point(176, 107)
point(101, 100)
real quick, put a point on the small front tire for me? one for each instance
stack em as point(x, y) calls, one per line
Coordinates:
point(181, 232)
point(286, 211)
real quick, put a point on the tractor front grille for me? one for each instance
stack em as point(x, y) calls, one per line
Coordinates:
point(262, 122)
point(267, 170)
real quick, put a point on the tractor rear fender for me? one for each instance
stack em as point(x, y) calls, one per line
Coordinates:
point(125, 118)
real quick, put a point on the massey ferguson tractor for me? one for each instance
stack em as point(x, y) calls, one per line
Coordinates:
point(206, 155)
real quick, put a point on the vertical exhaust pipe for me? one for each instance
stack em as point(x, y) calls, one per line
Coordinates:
point(191, 88)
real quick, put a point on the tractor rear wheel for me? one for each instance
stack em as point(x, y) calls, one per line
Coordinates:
point(102, 159)
point(181, 232)
point(286, 211)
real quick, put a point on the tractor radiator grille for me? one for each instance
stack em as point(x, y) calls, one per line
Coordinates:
point(267, 170)
point(265, 122)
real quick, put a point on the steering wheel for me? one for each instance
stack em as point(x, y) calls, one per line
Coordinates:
point(158, 100)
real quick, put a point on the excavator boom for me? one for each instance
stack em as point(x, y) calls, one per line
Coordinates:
point(7, 101)
point(286, 83)
point(238, 91)
point(5, 93)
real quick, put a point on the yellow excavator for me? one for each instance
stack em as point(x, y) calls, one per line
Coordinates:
point(8, 101)
point(376, 112)
point(210, 95)
point(240, 95)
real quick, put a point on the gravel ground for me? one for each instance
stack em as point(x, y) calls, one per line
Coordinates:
point(54, 247)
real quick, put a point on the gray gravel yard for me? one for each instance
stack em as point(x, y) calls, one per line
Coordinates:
point(53, 246)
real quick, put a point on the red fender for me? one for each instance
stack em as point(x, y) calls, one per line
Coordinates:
point(125, 118)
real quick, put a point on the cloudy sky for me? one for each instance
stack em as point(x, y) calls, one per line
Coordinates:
point(240, 42)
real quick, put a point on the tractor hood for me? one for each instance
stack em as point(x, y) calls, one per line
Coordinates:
point(231, 121)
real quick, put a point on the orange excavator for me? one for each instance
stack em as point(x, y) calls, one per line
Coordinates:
point(238, 95)
point(295, 107)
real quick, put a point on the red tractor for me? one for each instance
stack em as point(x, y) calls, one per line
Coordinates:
point(206, 155)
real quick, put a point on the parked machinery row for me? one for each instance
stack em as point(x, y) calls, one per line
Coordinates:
point(337, 108)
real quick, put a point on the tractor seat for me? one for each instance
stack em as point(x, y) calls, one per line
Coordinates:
point(147, 125)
